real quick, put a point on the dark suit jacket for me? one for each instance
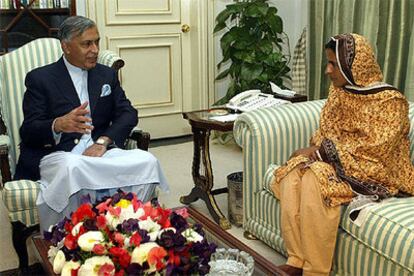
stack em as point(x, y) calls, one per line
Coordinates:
point(50, 94)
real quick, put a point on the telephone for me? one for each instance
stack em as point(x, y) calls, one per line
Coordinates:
point(253, 99)
point(284, 92)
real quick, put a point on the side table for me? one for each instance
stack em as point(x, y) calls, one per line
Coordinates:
point(201, 125)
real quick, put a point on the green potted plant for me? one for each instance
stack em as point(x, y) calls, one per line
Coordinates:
point(253, 45)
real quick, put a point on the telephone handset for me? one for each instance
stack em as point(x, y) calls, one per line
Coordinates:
point(284, 92)
point(253, 99)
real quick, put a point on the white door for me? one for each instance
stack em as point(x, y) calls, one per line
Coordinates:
point(164, 46)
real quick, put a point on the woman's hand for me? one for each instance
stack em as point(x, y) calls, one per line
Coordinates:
point(309, 152)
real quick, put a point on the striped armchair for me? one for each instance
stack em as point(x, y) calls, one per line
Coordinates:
point(383, 245)
point(20, 196)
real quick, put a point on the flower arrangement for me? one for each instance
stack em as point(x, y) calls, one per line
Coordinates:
point(121, 235)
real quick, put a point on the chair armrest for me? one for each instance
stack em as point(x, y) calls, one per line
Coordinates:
point(141, 137)
point(4, 159)
point(270, 135)
point(111, 59)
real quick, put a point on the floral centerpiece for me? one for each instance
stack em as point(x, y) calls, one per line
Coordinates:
point(121, 235)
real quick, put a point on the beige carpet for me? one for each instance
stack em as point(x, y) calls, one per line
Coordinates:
point(176, 161)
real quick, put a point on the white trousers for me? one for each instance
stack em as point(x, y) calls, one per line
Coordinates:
point(66, 177)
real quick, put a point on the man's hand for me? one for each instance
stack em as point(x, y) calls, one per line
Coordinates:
point(309, 152)
point(95, 150)
point(74, 121)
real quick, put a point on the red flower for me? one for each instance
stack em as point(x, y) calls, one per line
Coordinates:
point(136, 204)
point(114, 211)
point(83, 212)
point(120, 273)
point(105, 270)
point(116, 251)
point(125, 259)
point(173, 258)
point(102, 207)
point(156, 256)
point(101, 221)
point(74, 272)
point(119, 238)
point(121, 254)
point(164, 219)
point(71, 242)
point(98, 249)
point(135, 239)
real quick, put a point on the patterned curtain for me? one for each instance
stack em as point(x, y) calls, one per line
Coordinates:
point(299, 65)
point(387, 24)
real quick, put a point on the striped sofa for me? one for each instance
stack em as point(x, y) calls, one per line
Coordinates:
point(20, 196)
point(383, 245)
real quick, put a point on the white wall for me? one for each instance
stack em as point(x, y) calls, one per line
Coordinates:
point(294, 14)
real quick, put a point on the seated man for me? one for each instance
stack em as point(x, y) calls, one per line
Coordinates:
point(76, 119)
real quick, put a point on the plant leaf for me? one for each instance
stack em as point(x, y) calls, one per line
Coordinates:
point(223, 74)
point(223, 16)
point(220, 26)
point(250, 71)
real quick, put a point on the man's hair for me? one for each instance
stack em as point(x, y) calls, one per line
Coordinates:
point(74, 26)
point(331, 45)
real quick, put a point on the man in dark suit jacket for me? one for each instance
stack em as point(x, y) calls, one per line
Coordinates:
point(55, 119)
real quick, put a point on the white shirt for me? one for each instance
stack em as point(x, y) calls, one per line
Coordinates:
point(80, 81)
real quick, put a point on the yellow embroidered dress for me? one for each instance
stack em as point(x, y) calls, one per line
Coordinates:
point(367, 121)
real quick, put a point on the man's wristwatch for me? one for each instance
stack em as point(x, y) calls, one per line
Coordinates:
point(102, 142)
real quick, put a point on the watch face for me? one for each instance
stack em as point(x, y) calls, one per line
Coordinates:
point(100, 141)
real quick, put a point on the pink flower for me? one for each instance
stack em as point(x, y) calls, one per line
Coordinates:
point(156, 256)
point(182, 212)
point(106, 269)
point(98, 249)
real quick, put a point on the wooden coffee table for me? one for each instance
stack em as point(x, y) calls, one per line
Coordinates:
point(214, 233)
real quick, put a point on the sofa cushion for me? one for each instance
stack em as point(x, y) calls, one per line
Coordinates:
point(20, 195)
point(387, 229)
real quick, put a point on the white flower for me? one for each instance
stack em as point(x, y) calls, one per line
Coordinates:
point(88, 240)
point(140, 254)
point(126, 213)
point(192, 236)
point(58, 262)
point(76, 228)
point(51, 253)
point(92, 265)
point(67, 268)
point(166, 229)
point(151, 226)
point(111, 221)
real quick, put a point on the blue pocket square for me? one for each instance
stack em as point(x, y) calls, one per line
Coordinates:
point(106, 90)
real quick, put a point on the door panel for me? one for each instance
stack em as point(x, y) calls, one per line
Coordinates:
point(163, 74)
point(142, 11)
point(157, 69)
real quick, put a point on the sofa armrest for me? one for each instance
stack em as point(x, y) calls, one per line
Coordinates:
point(140, 138)
point(111, 59)
point(270, 135)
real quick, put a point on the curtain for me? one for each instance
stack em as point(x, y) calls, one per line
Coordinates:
point(387, 24)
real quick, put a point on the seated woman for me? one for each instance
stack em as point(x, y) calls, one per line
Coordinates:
point(361, 147)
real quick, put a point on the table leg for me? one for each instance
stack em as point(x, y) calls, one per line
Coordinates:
point(204, 183)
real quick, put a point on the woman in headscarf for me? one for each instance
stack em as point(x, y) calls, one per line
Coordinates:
point(361, 147)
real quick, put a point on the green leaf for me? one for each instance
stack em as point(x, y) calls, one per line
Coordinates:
point(226, 40)
point(275, 23)
point(223, 74)
point(220, 26)
point(223, 16)
point(266, 47)
point(251, 71)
